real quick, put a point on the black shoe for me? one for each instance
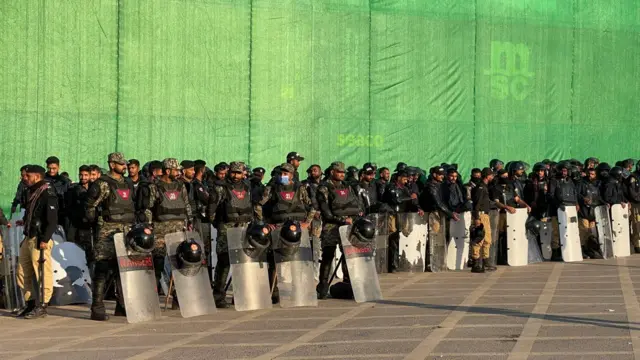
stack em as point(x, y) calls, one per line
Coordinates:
point(470, 262)
point(556, 255)
point(637, 249)
point(477, 266)
point(120, 310)
point(275, 300)
point(222, 304)
point(39, 311)
point(487, 266)
point(30, 305)
point(99, 315)
point(323, 291)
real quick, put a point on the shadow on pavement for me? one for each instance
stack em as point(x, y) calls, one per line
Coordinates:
point(519, 314)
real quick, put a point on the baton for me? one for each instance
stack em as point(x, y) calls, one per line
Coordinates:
point(335, 271)
point(41, 271)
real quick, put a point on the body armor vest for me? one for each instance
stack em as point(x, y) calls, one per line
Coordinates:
point(342, 200)
point(118, 207)
point(287, 204)
point(172, 206)
point(238, 207)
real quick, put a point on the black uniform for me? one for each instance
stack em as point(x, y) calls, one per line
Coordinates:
point(562, 192)
point(535, 194)
point(60, 184)
point(21, 196)
point(368, 192)
point(612, 191)
point(589, 198)
point(80, 229)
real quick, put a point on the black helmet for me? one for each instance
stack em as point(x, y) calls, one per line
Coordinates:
point(563, 165)
point(291, 233)
point(352, 170)
point(364, 231)
point(539, 166)
point(290, 236)
point(603, 170)
point(189, 254)
point(140, 238)
point(516, 166)
point(575, 173)
point(401, 166)
point(494, 163)
point(258, 239)
point(616, 172)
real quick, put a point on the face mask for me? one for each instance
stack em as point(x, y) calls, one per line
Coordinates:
point(284, 180)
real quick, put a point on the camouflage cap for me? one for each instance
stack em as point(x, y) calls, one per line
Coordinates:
point(288, 168)
point(236, 166)
point(170, 163)
point(117, 158)
point(337, 166)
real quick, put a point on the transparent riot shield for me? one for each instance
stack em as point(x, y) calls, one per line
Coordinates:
point(362, 267)
point(138, 283)
point(191, 281)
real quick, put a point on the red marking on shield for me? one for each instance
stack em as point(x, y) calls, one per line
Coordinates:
point(124, 194)
point(171, 195)
point(342, 192)
point(239, 194)
point(287, 195)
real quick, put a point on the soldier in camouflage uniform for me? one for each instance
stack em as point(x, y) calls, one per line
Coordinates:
point(338, 204)
point(285, 200)
point(112, 193)
point(230, 206)
point(167, 209)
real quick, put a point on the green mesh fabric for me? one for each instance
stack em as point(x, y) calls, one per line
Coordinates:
point(355, 80)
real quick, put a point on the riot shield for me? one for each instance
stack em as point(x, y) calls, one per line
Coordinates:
point(191, 281)
point(11, 238)
point(437, 247)
point(382, 241)
point(517, 243)
point(494, 219)
point(250, 278)
point(620, 228)
point(138, 283)
point(295, 271)
point(569, 234)
point(362, 267)
point(458, 249)
point(538, 251)
point(605, 232)
point(413, 242)
point(336, 263)
point(71, 279)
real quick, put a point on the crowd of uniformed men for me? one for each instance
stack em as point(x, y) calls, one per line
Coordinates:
point(174, 195)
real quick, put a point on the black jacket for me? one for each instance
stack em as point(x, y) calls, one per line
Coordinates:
point(431, 199)
point(612, 192)
point(41, 216)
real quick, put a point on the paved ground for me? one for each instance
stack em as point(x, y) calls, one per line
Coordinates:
point(587, 310)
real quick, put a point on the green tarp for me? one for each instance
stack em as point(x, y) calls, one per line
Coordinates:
point(353, 80)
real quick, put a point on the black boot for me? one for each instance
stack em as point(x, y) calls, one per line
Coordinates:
point(28, 306)
point(39, 311)
point(393, 260)
point(477, 266)
point(98, 289)
point(470, 262)
point(585, 253)
point(637, 249)
point(556, 255)
point(220, 275)
point(322, 289)
point(487, 266)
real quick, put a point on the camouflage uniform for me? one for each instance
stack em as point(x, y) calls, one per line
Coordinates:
point(218, 216)
point(332, 196)
point(99, 195)
point(162, 228)
point(103, 249)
